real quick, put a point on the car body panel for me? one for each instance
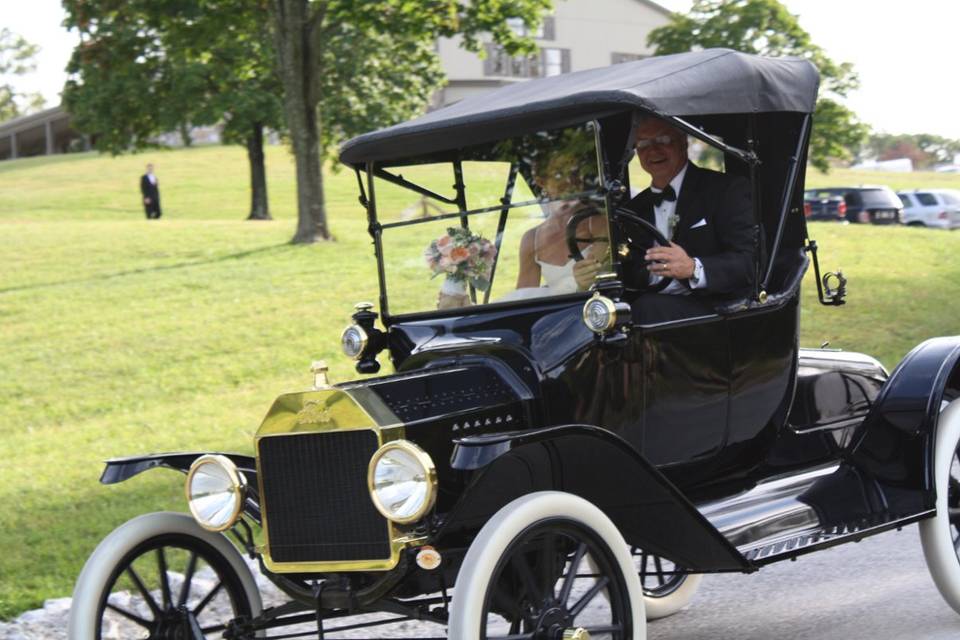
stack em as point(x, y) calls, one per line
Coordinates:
point(938, 208)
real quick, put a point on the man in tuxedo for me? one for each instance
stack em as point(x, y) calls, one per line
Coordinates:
point(708, 218)
point(150, 189)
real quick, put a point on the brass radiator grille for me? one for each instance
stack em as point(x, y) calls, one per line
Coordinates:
point(317, 507)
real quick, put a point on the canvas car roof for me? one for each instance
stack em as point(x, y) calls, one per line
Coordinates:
point(712, 81)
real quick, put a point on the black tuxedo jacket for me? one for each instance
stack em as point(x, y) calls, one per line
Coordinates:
point(715, 225)
point(150, 190)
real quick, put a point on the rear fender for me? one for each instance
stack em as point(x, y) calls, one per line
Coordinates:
point(120, 469)
point(895, 443)
point(600, 467)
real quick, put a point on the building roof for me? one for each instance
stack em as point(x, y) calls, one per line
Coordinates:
point(32, 119)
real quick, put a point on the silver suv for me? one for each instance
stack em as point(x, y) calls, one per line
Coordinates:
point(931, 208)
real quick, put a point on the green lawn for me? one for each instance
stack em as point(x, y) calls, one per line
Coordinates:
point(121, 336)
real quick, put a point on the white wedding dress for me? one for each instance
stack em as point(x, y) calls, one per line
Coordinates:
point(557, 278)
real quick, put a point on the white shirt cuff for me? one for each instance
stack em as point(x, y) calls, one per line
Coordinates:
point(702, 281)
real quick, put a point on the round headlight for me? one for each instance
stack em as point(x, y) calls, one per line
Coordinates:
point(599, 314)
point(354, 341)
point(215, 492)
point(402, 481)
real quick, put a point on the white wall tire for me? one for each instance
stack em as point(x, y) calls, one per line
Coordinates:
point(938, 534)
point(98, 574)
point(664, 594)
point(530, 515)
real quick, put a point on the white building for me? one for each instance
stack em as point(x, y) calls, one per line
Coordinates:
point(580, 34)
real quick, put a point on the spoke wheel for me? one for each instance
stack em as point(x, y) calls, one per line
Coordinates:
point(658, 576)
point(546, 566)
point(162, 577)
point(550, 580)
point(168, 586)
point(940, 535)
point(666, 588)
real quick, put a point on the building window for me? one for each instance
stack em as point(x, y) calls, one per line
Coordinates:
point(546, 30)
point(549, 61)
point(617, 58)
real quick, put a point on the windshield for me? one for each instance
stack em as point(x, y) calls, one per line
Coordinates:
point(506, 239)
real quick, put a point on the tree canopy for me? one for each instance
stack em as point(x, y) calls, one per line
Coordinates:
point(17, 57)
point(924, 149)
point(766, 27)
point(153, 66)
point(348, 67)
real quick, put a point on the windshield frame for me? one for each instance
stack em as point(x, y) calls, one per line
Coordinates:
point(374, 170)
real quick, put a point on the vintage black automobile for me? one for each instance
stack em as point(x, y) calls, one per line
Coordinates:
point(538, 465)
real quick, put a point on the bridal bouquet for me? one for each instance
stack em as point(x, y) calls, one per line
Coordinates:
point(463, 257)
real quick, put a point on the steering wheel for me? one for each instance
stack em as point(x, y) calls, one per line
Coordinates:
point(620, 215)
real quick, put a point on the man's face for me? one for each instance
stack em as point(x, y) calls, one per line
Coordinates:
point(149, 168)
point(662, 150)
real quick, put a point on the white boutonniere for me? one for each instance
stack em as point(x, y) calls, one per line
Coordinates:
point(672, 221)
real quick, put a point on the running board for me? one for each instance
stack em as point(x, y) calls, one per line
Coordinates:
point(799, 545)
point(790, 515)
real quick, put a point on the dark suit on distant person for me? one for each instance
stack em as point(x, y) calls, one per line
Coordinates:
point(150, 189)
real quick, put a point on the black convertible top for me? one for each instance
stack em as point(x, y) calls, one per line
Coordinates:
point(713, 81)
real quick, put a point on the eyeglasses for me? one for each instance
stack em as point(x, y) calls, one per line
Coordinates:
point(661, 140)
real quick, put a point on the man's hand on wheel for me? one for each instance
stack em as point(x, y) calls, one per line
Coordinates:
point(669, 262)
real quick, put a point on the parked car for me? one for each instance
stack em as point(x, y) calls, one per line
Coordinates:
point(823, 205)
point(542, 467)
point(931, 208)
point(867, 204)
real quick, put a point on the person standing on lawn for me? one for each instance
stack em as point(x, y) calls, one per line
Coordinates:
point(150, 189)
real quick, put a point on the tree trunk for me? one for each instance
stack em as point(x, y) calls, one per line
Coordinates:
point(185, 136)
point(259, 207)
point(293, 32)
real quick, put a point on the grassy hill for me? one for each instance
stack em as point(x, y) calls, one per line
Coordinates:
point(121, 336)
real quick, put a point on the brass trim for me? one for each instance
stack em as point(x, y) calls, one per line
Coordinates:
point(762, 297)
point(364, 339)
point(343, 410)
point(238, 488)
point(610, 307)
point(430, 471)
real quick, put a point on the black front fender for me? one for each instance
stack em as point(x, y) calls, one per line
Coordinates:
point(120, 469)
point(895, 443)
point(598, 466)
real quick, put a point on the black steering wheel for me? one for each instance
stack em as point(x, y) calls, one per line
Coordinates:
point(620, 215)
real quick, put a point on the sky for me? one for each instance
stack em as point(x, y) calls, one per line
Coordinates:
point(905, 55)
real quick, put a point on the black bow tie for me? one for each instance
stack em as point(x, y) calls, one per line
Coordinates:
point(667, 194)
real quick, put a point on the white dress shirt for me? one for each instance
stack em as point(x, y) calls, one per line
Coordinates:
point(663, 212)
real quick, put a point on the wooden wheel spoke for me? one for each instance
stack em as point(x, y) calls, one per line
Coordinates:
point(206, 600)
point(572, 573)
point(164, 579)
point(143, 622)
point(187, 579)
point(605, 629)
point(143, 591)
point(503, 602)
point(658, 567)
point(548, 561)
point(589, 595)
point(525, 571)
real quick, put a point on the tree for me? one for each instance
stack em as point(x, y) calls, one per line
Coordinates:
point(924, 149)
point(148, 67)
point(350, 66)
point(16, 58)
point(765, 27)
